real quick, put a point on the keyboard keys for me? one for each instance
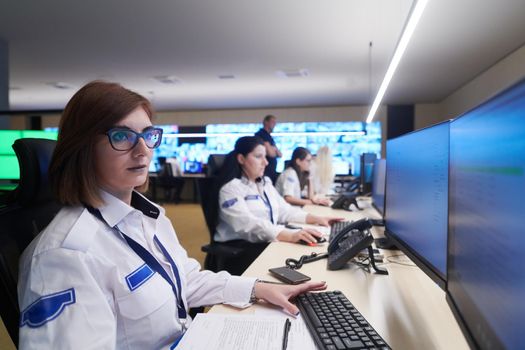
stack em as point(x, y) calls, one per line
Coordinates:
point(336, 324)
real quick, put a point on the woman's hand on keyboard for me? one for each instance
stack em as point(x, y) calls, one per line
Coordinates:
point(280, 294)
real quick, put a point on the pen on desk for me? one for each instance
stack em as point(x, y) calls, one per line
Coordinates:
point(287, 326)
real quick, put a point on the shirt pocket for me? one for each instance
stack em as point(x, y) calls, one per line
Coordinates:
point(148, 314)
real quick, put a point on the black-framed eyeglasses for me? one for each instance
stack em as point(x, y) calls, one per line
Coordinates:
point(123, 139)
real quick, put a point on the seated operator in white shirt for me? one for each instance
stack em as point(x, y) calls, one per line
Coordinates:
point(109, 272)
point(250, 208)
point(295, 184)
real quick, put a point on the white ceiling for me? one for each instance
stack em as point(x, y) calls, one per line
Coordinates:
point(133, 41)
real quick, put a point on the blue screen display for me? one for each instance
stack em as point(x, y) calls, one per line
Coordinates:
point(417, 194)
point(487, 224)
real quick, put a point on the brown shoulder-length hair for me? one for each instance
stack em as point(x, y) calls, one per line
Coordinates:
point(92, 111)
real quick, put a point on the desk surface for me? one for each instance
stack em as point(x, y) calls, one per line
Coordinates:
point(406, 307)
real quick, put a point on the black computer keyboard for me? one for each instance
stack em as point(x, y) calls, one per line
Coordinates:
point(336, 324)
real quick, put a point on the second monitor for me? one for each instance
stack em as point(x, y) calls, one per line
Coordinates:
point(416, 210)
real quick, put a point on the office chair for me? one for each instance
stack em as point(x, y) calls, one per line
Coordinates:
point(170, 182)
point(215, 162)
point(233, 256)
point(29, 209)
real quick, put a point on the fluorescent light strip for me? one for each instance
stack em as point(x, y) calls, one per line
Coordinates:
point(292, 133)
point(400, 50)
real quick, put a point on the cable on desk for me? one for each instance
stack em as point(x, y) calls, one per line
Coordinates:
point(393, 261)
point(297, 264)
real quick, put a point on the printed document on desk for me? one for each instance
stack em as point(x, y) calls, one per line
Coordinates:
point(232, 331)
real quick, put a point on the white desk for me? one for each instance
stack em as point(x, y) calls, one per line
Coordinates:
point(406, 307)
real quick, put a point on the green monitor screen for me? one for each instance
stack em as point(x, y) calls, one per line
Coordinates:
point(40, 134)
point(9, 169)
point(7, 138)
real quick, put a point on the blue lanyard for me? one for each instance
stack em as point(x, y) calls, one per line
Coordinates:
point(267, 203)
point(152, 262)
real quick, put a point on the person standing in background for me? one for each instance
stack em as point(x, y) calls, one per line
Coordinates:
point(272, 152)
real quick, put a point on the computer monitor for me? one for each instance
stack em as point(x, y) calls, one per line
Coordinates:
point(378, 185)
point(367, 168)
point(416, 210)
point(486, 278)
point(9, 168)
point(192, 167)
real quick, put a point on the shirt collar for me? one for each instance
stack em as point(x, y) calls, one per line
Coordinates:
point(114, 210)
point(259, 185)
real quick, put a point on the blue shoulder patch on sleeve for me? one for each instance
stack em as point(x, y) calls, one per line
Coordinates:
point(139, 277)
point(228, 203)
point(47, 308)
point(290, 179)
point(251, 197)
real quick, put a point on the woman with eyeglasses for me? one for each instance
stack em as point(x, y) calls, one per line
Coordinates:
point(295, 183)
point(109, 272)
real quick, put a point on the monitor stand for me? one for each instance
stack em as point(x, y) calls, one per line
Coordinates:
point(385, 243)
point(377, 222)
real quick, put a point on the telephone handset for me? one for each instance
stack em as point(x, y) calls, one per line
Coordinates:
point(349, 242)
point(359, 225)
point(344, 202)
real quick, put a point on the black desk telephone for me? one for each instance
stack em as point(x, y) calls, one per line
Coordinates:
point(348, 242)
point(345, 201)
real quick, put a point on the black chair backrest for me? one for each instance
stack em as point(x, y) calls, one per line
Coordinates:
point(215, 162)
point(30, 208)
point(209, 202)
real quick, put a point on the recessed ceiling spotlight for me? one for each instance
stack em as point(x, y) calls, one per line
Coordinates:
point(226, 76)
point(168, 79)
point(60, 85)
point(293, 73)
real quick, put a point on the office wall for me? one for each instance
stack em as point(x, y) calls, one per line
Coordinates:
point(504, 73)
point(203, 117)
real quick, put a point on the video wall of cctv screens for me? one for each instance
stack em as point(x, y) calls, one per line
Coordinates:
point(346, 146)
point(486, 278)
point(416, 211)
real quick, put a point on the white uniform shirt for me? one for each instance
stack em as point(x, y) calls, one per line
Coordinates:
point(288, 184)
point(81, 286)
point(253, 211)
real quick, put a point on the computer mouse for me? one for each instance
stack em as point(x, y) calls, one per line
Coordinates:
point(312, 244)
